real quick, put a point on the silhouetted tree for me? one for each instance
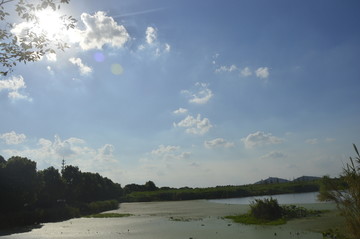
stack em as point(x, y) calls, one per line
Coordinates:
point(20, 183)
point(53, 187)
point(2, 161)
point(150, 186)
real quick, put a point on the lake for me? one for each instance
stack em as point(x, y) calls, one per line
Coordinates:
point(179, 220)
point(293, 198)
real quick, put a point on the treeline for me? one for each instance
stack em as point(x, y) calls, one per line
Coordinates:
point(29, 196)
point(187, 193)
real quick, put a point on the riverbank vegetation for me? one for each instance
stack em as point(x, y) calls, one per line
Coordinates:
point(268, 212)
point(346, 198)
point(131, 194)
point(29, 196)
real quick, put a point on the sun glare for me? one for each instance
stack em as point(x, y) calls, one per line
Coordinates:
point(50, 23)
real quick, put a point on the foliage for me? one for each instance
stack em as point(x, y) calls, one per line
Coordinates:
point(348, 199)
point(31, 45)
point(269, 212)
point(267, 209)
point(135, 193)
point(148, 186)
point(333, 234)
point(29, 196)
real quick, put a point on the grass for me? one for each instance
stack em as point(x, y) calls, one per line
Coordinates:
point(249, 219)
point(269, 212)
point(108, 215)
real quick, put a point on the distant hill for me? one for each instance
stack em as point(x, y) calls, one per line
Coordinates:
point(306, 179)
point(272, 180)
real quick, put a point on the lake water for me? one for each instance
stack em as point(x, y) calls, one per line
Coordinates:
point(294, 198)
point(179, 220)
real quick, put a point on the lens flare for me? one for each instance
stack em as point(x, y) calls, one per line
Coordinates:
point(117, 69)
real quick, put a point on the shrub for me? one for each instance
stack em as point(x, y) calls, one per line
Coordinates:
point(266, 209)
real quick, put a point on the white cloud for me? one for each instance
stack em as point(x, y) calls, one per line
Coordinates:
point(106, 150)
point(262, 72)
point(167, 47)
point(101, 30)
point(202, 96)
point(162, 149)
point(166, 153)
point(152, 43)
point(196, 125)
point(13, 85)
point(13, 138)
point(218, 143)
point(246, 72)
point(51, 57)
point(312, 141)
point(274, 155)
point(74, 150)
point(230, 68)
point(151, 35)
point(180, 111)
point(260, 138)
point(84, 69)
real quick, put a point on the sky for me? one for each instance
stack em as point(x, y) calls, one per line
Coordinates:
point(191, 93)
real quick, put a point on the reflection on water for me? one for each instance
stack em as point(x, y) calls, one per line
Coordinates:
point(293, 198)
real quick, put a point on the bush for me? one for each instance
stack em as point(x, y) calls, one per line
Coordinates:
point(266, 209)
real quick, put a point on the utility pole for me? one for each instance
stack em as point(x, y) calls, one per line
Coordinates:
point(63, 165)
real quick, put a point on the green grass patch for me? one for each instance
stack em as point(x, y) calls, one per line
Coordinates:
point(109, 215)
point(249, 219)
point(269, 212)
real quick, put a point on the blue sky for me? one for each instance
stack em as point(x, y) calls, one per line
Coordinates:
point(192, 93)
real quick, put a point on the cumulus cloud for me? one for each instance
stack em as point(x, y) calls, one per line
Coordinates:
point(218, 143)
point(151, 35)
point(260, 138)
point(262, 72)
point(152, 43)
point(196, 125)
point(201, 96)
point(101, 30)
point(230, 68)
point(162, 149)
point(13, 85)
point(84, 69)
point(169, 152)
point(13, 138)
point(246, 72)
point(74, 150)
point(180, 111)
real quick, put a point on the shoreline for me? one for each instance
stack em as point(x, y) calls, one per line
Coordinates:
point(182, 219)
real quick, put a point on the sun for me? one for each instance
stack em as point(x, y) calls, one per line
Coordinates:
point(50, 23)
